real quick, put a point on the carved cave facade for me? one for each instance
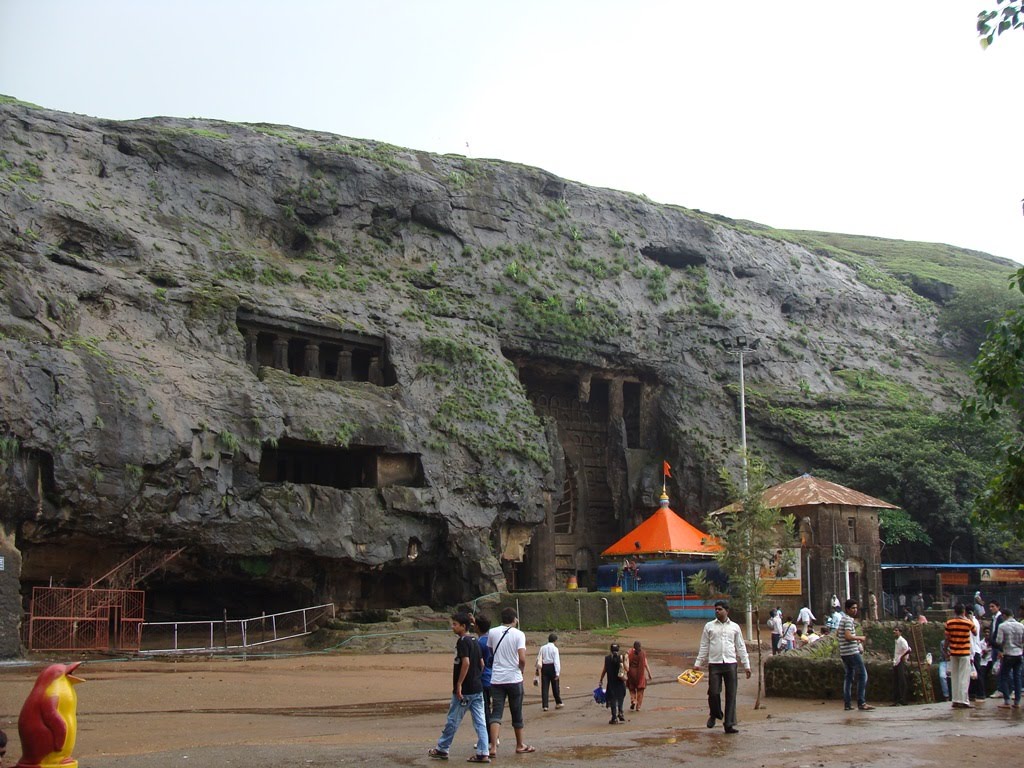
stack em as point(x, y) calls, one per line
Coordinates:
point(606, 434)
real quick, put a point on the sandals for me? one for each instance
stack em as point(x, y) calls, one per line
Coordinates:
point(479, 759)
point(437, 753)
point(525, 750)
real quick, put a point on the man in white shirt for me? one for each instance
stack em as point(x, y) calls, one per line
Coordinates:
point(721, 648)
point(804, 618)
point(508, 645)
point(775, 623)
point(549, 669)
point(1010, 636)
point(901, 651)
point(977, 684)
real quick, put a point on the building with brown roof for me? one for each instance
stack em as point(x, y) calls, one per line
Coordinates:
point(840, 548)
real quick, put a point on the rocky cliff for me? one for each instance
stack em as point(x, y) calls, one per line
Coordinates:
point(333, 368)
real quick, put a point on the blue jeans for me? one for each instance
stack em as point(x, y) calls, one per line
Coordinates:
point(854, 664)
point(1010, 678)
point(474, 703)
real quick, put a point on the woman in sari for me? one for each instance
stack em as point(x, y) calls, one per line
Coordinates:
point(637, 675)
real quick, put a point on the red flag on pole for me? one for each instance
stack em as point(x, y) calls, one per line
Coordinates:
point(667, 469)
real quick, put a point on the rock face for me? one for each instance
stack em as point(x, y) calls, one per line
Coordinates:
point(337, 370)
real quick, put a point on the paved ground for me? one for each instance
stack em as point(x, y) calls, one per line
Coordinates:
point(352, 708)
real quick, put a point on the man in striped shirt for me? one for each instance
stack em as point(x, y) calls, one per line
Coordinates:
point(850, 653)
point(959, 630)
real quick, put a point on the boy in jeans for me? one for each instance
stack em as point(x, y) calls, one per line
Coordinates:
point(467, 693)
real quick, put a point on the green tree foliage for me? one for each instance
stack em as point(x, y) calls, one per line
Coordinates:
point(749, 536)
point(1009, 17)
point(968, 314)
point(998, 374)
point(932, 466)
point(897, 527)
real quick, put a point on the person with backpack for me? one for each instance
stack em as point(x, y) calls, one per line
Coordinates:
point(508, 644)
point(615, 694)
point(483, 626)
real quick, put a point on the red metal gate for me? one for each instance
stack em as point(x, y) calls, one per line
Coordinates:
point(77, 619)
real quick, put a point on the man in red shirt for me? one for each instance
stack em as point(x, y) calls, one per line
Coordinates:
point(958, 638)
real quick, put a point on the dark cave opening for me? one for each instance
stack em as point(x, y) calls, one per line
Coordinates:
point(307, 463)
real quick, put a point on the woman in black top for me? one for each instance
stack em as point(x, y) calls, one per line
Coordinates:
point(616, 691)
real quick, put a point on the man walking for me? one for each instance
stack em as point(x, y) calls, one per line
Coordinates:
point(899, 668)
point(1010, 637)
point(775, 624)
point(549, 669)
point(804, 619)
point(993, 635)
point(721, 648)
point(850, 651)
point(467, 693)
point(508, 645)
point(959, 631)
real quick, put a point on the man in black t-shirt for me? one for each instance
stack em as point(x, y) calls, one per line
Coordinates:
point(467, 693)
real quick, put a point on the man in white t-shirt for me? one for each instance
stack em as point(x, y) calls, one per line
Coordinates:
point(508, 645)
point(804, 618)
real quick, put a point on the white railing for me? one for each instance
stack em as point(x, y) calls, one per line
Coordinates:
point(231, 634)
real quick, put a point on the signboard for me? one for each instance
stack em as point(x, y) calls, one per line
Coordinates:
point(1002, 574)
point(953, 579)
point(781, 573)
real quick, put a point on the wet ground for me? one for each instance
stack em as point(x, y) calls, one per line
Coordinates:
point(352, 708)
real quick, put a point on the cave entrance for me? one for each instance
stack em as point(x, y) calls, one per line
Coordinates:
point(600, 417)
point(307, 463)
point(585, 517)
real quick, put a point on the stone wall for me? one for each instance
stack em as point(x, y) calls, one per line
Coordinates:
point(10, 596)
point(818, 673)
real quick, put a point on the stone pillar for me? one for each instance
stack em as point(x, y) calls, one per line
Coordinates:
point(252, 356)
point(583, 387)
point(376, 374)
point(344, 365)
point(281, 352)
point(615, 401)
point(648, 417)
point(311, 365)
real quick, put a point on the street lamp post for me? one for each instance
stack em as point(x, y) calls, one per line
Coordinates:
point(737, 346)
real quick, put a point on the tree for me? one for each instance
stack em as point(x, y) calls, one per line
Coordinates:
point(969, 312)
point(897, 527)
point(931, 465)
point(749, 535)
point(998, 374)
point(1011, 19)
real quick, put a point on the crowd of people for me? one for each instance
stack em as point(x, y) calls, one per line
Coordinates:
point(488, 674)
point(489, 669)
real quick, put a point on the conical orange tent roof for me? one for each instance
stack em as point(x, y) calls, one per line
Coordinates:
point(663, 533)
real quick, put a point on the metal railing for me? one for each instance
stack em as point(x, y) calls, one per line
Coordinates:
point(231, 634)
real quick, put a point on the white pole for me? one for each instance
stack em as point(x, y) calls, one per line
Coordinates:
point(743, 458)
point(743, 422)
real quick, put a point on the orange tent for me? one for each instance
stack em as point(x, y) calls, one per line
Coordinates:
point(663, 533)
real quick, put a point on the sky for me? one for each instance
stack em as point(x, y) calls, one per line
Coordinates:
point(877, 117)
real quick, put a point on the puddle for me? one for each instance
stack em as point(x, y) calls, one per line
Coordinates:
point(674, 737)
point(387, 709)
point(585, 752)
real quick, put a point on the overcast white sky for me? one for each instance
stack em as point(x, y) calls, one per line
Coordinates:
point(876, 117)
